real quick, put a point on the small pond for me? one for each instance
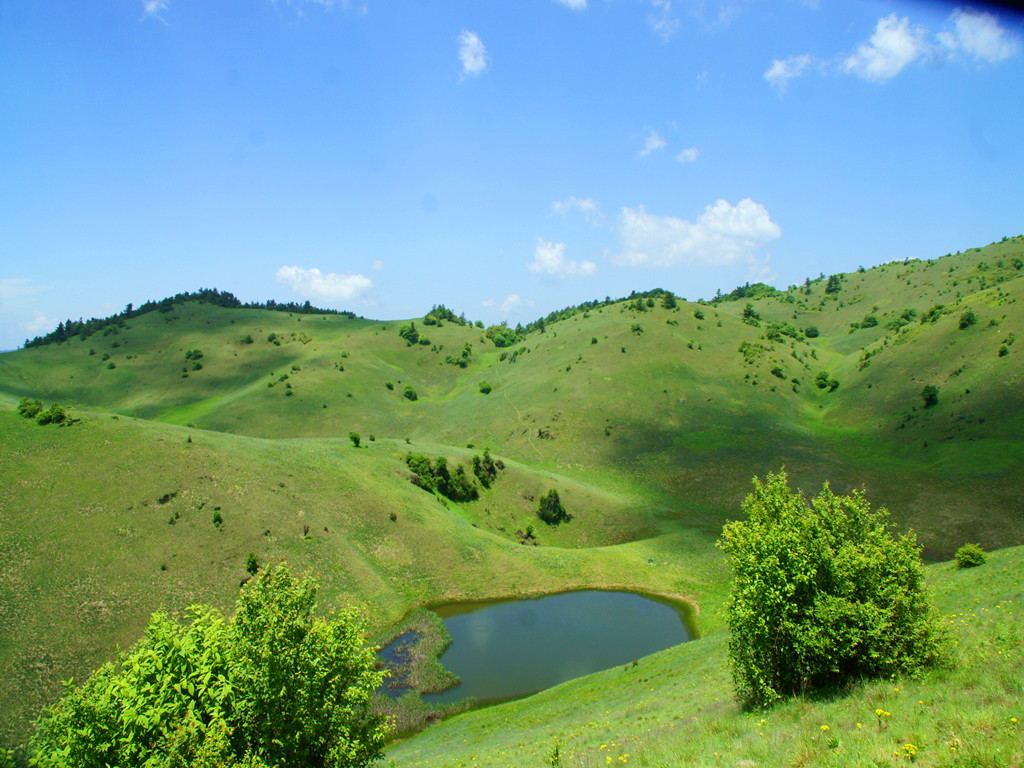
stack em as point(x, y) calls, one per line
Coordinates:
point(505, 649)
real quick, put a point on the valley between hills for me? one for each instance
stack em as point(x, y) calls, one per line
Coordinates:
point(201, 433)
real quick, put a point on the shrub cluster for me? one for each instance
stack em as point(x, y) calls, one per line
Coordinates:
point(434, 476)
point(551, 510)
point(31, 408)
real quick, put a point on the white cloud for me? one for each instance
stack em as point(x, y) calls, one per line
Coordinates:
point(576, 5)
point(152, 9)
point(472, 54)
point(511, 301)
point(688, 155)
point(377, 265)
point(722, 234)
point(589, 208)
point(661, 20)
point(312, 283)
point(782, 71)
point(893, 46)
point(549, 259)
point(652, 143)
point(979, 35)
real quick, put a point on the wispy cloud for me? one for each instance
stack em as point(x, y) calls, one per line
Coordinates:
point(723, 234)
point(585, 206)
point(782, 71)
point(549, 259)
point(652, 143)
point(576, 5)
point(979, 35)
point(688, 155)
point(153, 9)
point(509, 303)
point(662, 21)
point(472, 54)
point(893, 46)
point(896, 44)
point(312, 283)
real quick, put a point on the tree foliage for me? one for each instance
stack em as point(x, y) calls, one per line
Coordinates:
point(822, 594)
point(551, 510)
point(970, 556)
point(269, 688)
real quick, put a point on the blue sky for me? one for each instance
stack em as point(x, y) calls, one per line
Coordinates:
point(503, 158)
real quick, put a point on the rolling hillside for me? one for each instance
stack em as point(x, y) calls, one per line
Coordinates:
point(649, 415)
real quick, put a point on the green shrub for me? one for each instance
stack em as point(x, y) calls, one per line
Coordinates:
point(354, 437)
point(930, 395)
point(967, 319)
point(55, 414)
point(252, 564)
point(485, 388)
point(409, 393)
point(29, 407)
point(969, 556)
point(272, 686)
point(550, 509)
point(811, 332)
point(822, 594)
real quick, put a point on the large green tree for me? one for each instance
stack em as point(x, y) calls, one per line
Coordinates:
point(273, 686)
point(823, 593)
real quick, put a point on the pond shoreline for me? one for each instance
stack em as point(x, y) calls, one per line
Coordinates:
point(419, 670)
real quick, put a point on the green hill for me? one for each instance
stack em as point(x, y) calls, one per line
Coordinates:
point(650, 419)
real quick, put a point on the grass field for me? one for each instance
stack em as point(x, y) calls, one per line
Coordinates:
point(649, 421)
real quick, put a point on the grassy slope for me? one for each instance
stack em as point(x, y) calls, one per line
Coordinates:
point(651, 438)
point(676, 708)
point(87, 551)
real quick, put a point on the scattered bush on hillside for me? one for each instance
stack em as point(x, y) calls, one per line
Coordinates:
point(823, 594)
point(551, 510)
point(463, 358)
point(252, 565)
point(410, 334)
point(486, 469)
point(485, 388)
point(501, 335)
point(409, 393)
point(751, 315)
point(194, 354)
point(834, 284)
point(668, 301)
point(824, 380)
point(811, 332)
point(970, 556)
point(272, 686)
point(355, 438)
point(247, 339)
point(29, 407)
point(905, 318)
point(698, 314)
point(930, 395)
point(435, 477)
point(933, 314)
point(55, 414)
point(967, 319)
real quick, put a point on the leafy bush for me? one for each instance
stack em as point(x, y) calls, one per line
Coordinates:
point(930, 395)
point(485, 388)
point(55, 414)
point(29, 407)
point(811, 332)
point(435, 476)
point(271, 687)
point(409, 393)
point(486, 469)
point(550, 509)
point(969, 556)
point(410, 334)
point(355, 438)
point(967, 319)
point(822, 594)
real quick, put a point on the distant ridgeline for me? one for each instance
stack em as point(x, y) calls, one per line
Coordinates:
point(85, 328)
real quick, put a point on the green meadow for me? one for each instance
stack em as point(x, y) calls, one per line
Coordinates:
point(203, 434)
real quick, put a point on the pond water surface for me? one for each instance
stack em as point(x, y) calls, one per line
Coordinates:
point(502, 650)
